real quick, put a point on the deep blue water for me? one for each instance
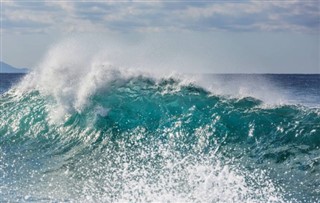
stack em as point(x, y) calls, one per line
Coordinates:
point(230, 138)
point(9, 79)
point(292, 88)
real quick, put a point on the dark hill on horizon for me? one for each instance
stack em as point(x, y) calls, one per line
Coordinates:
point(6, 68)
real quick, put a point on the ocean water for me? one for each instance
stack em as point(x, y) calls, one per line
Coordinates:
point(7, 80)
point(105, 134)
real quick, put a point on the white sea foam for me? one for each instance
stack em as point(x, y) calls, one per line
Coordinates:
point(73, 70)
point(76, 68)
point(70, 74)
point(136, 175)
point(235, 86)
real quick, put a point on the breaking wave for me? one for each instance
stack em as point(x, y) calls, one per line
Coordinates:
point(78, 131)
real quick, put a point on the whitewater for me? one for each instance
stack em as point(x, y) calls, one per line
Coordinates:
point(84, 128)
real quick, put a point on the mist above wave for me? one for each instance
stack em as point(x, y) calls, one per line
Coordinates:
point(132, 133)
point(76, 68)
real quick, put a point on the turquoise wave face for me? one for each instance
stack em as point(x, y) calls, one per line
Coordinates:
point(142, 140)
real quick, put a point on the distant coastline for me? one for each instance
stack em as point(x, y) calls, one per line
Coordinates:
point(6, 68)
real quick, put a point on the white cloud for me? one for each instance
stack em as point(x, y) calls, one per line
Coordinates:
point(29, 15)
point(67, 6)
point(228, 9)
point(155, 16)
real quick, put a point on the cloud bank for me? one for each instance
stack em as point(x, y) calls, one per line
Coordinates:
point(146, 16)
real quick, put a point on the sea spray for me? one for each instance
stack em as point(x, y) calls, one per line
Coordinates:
point(79, 129)
point(145, 140)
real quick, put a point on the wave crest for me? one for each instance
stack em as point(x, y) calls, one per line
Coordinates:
point(80, 129)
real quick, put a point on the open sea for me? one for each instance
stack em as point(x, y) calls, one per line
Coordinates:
point(106, 135)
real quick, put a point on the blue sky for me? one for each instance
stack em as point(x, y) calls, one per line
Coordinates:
point(191, 36)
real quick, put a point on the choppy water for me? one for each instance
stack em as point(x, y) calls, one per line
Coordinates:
point(77, 131)
point(140, 139)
